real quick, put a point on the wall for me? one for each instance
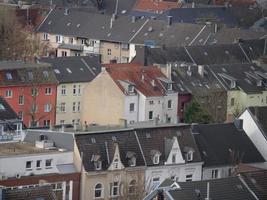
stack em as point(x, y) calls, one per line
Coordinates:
point(167, 171)
point(103, 101)
point(42, 99)
point(131, 116)
point(223, 172)
point(254, 133)
point(183, 99)
point(116, 52)
point(106, 178)
point(12, 165)
point(69, 98)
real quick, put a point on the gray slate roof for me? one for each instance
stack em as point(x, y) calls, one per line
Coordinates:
point(75, 69)
point(224, 144)
point(90, 25)
point(6, 112)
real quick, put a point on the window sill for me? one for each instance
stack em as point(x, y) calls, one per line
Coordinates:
point(48, 167)
point(38, 168)
point(28, 169)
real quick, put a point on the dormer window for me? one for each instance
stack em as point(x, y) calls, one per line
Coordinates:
point(131, 89)
point(155, 156)
point(96, 159)
point(189, 156)
point(131, 157)
point(169, 86)
point(9, 76)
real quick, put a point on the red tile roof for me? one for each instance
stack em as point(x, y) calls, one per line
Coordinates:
point(155, 5)
point(133, 73)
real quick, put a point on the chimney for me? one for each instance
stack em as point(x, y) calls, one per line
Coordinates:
point(238, 124)
point(208, 191)
point(133, 19)
point(200, 69)
point(169, 18)
point(66, 11)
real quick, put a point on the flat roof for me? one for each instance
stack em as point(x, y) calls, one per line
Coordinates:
point(20, 148)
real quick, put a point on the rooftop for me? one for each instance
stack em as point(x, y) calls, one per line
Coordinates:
point(21, 148)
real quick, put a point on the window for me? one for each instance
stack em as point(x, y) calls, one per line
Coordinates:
point(169, 86)
point(47, 107)
point(48, 163)
point(48, 91)
point(45, 73)
point(214, 173)
point(77, 54)
point(20, 115)
point(156, 159)
point(59, 39)
point(79, 89)
point(45, 36)
point(62, 107)
point(132, 161)
point(63, 90)
point(116, 163)
point(1, 129)
point(46, 122)
point(8, 76)
point(151, 102)
point(232, 101)
point(71, 40)
point(99, 190)
point(188, 177)
point(61, 122)
point(34, 91)
point(98, 165)
point(30, 75)
point(132, 187)
point(109, 52)
point(21, 100)
point(34, 108)
point(125, 46)
point(131, 107)
point(29, 165)
point(83, 41)
point(38, 164)
point(74, 107)
point(78, 106)
point(150, 115)
point(130, 88)
point(173, 158)
point(169, 104)
point(64, 53)
point(115, 189)
point(189, 156)
point(74, 91)
point(9, 93)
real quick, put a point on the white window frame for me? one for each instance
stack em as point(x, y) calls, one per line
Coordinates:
point(21, 100)
point(48, 166)
point(47, 107)
point(99, 189)
point(29, 168)
point(9, 94)
point(48, 91)
point(63, 90)
point(156, 159)
point(214, 173)
point(113, 189)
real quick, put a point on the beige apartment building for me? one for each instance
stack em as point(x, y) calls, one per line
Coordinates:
point(73, 74)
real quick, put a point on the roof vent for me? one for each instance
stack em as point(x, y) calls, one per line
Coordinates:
point(150, 29)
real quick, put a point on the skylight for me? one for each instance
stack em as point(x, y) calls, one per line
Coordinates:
point(2, 107)
point(68, 24)
point(78, 25)
point(56, 71)
point(68, 70)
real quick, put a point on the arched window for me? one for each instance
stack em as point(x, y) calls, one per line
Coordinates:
point(99, 190)
point(132, 187)
point(116, 163)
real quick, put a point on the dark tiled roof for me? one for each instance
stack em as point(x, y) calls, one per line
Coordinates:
point(154, 139)
point(75, 69)
point(245, 76)
point(6, 112)
point(34, 193)
point(260, 114)
point(231, 188)
point(224, 144)
point(257, 182)
point(103, 144)
point(194, 15)
point(90, 25)
point(133, 74)
point(217, 54)
point(254, 48)
point(19, 73)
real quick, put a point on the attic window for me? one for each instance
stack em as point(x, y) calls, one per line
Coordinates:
point(116, 163)
point(130, 88)
point(189, 156)
point(131, 156)
point(68, 24)
point(155, 155)
point(169, 86)
point(56, 71)
point(93, 140)
point(68, 70)
point(114, 139)
point(148, 135)
point(9, 76)
point(30, 75)
point(45, 73)
point(96, 159)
